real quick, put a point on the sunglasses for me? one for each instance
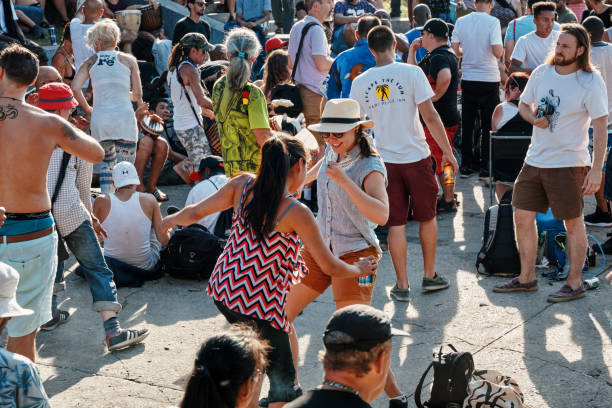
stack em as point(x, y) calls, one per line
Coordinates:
point(335, 135)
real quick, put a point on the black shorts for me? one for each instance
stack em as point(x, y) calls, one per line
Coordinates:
point(280, 370)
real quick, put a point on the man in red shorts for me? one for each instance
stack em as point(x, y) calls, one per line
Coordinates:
point(440, 67)
point(392, 95)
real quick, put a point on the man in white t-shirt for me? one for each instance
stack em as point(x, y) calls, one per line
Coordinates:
point(392, 95)
point(601, 58)
point(314, 62)
point(532, 49)
point(480, 50)
point(210, 178)
point(561, 99)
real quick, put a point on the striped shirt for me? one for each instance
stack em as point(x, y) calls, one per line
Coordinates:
point(73, 204)
point(253, 277)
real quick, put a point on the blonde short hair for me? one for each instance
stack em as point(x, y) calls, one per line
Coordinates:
point(105, 30)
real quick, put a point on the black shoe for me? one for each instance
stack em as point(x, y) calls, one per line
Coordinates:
point(599, 218)
point(465, 172)
point(606, 246)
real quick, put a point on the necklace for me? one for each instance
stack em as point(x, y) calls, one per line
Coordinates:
point(9, 97)
point(342, 387)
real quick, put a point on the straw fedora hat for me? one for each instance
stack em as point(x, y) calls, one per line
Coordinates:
point(339, 116)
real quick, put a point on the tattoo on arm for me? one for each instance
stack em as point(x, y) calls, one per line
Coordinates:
point(8, 112)
point(69, 131)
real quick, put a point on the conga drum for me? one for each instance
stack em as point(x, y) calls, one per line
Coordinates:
point(128, 19)
point(151, 18)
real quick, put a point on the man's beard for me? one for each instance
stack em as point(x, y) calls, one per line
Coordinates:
point(562, 62)
point(200, 13)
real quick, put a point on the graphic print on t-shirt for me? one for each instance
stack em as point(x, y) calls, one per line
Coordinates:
point(387, 91)
point(548, 108)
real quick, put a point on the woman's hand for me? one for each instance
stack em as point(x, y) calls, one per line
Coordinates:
point(334, 172)
point(366, 266)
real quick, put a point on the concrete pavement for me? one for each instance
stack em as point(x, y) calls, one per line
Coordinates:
point(561, 354)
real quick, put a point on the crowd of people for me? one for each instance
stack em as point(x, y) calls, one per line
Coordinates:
point(300, 140)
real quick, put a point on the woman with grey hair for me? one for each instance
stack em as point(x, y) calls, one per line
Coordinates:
point(115, 81)
point(240, 107)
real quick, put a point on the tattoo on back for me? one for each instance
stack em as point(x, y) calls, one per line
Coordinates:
point(8, 112)
point(69, 131)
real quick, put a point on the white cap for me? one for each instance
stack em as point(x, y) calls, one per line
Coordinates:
point(9, 278)
point(125, 174)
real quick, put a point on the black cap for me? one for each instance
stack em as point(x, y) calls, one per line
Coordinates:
point(358, 327)
point(209, 162)
point(437, 27)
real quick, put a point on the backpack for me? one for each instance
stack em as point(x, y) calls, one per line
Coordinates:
point(223, 226)
point(452, 372)
point(499, 253)
point(192, 253)
point(552, 234)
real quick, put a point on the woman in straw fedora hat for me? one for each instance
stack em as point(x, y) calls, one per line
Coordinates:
point(352, 199)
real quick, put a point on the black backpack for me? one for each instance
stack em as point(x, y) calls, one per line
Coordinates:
point(499, 254)
point(223, 226)
point(452, 372)
point(192, 253)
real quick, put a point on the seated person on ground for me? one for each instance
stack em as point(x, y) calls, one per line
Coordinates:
point(346, 13)
point(154, 148)
point(132, 221)
point(113, 6)
point(209, 178)
point(20, 384)
point(506, 119)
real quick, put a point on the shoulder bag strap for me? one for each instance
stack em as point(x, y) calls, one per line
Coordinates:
point(60, 178)
point(180, 81)
point(417, 391)
point(299, 50)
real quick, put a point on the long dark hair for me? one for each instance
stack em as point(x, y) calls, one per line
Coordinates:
point(278, 155)
point(223, 364)
point(276, 70)
point(178, 53)
point(363, 140)
point(582, 37)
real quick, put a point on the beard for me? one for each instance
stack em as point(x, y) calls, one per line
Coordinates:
point(563, 62)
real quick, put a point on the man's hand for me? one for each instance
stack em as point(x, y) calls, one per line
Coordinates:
point(592, 182)
point(208, 113)
point(2, 216)
point(79, 121)
point(542, 122)
point(99, 230)
point(142, 111)
point(416, 44)
point(450, 159)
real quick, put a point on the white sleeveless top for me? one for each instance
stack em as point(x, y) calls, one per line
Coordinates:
point(129, 233)
point(113, 116)
point(508, 112)
point(183, 114)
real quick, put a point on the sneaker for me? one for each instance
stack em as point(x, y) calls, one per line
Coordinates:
point(401, 295)
point(60, 318)
point(566, 294)
point(395, 403)
point(435, 283)
point(514, 285)
point(599, 218)
point(465, 172)
point(606, 246)
point(126, 338)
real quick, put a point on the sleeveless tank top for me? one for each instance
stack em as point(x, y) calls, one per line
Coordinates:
point(183, 114)
point(113, 116)
point(508, 112)
point(129, 233)
point(512, 121)
point(253, 277)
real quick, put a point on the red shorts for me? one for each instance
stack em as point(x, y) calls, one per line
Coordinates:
point(435, 149)
point(411, 181)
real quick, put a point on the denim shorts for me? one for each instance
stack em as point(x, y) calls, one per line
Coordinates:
point(36, 262)
point(280, 370)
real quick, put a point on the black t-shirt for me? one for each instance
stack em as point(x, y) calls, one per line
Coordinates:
point(605, 16)
point(432, 64)
point(328, 399)
point(186, 25)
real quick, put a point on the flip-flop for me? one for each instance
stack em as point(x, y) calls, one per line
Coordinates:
point(159, 195)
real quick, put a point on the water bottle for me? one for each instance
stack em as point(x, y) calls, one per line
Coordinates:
point(52, 35)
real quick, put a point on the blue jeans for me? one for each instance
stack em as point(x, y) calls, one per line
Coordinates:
point(260, 31)
point(35, 13)
point(84, 245)
point(130, 275)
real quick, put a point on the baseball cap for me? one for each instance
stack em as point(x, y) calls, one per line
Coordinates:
point(125, 174)
point(196, 40)
point(9, 278)
point(209, 162)
point(436, 27)
point(55, 96)
point(358, 327)
point(275, 43)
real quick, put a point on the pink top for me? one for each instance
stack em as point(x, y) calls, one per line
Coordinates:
point(578, 9)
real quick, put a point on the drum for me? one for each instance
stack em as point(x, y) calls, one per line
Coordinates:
point(151, 18)
point(128, 19)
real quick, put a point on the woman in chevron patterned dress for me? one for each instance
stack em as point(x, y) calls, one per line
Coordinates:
point(261, 259)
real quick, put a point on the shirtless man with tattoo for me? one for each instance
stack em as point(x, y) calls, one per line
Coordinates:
point(28, 241)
